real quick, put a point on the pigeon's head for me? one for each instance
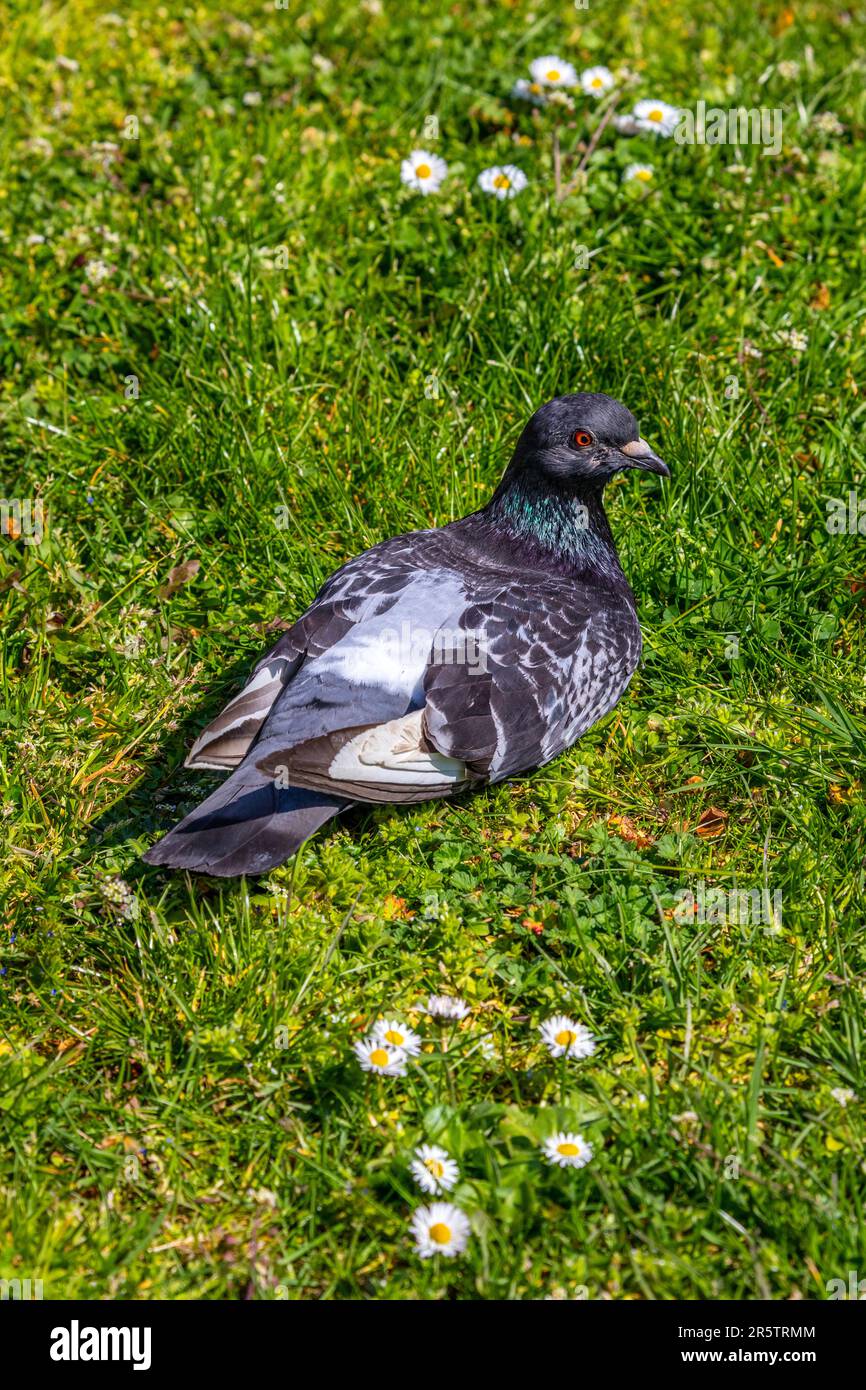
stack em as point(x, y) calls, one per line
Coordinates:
point(584, 438)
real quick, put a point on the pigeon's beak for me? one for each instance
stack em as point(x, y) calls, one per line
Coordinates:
point(639, 455)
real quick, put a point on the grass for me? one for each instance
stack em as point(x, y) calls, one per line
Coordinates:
point(291, 358)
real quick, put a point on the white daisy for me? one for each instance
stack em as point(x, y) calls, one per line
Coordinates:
point(643, 173)
point(388, 1030)
point(828, 123)
point(564, 1038)
point(433, 1170)
point(503, 181)
point(596, 81)
point(843, 1095)
point(551, 71)
point(423, 171)
point(567, 1150)
point(447, 1006)
point(375, 1054)
point(97, 271)
point(529, 91)
point(657, 116)
point(440, 1229)
point(793, 338)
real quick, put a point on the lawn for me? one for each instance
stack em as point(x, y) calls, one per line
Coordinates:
point(236, 351)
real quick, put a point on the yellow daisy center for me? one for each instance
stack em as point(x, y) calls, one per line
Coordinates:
point(502, 181)
point(596, 82)
point(553, 75)
point(643, 174)
point(434, 1166)
point(568, 1150)
point(655, 115)
point(535, 88)
point(440, 1233)
point(392, 1036)
point(423, 171)
point(379, 1057)
point(565, 1038)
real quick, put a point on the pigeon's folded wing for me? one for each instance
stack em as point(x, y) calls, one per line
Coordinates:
point(368, 586)
point(510, 685)
point(228, 738)
point(542, 669)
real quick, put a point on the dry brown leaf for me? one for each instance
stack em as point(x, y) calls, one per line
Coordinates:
point(181, 574)
point(627, 830)
point(712, 823)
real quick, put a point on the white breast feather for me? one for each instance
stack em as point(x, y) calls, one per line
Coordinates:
point(392, 753)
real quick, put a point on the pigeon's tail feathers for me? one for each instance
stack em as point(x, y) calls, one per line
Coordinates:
point(248, 826)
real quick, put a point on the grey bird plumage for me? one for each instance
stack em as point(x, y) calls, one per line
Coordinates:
point(435, 661)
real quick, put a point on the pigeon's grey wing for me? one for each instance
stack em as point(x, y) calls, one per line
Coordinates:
point(365, 588)
point(350, 721)
point(508, 684)
point(548, 666)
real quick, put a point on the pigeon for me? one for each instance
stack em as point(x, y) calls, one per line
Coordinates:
point(436, 662)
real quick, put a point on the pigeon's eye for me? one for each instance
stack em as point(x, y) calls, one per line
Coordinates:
point(582, 439)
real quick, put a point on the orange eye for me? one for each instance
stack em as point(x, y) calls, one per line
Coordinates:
point(582, 439)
